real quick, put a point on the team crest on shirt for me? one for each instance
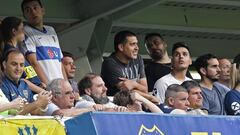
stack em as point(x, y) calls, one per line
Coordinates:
point(25, 93)
point(235, 106)
point(50, 53)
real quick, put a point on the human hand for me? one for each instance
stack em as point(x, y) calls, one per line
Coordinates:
point(44, 98)
point(17, 103)
point(126, 84)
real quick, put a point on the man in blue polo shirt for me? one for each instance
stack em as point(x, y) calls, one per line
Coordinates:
point(13, 87)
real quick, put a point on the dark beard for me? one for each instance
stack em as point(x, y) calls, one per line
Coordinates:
point(156, 55)
point(101, 100)
point(212, 79)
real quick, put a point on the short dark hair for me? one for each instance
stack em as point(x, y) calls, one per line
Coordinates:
point(178, 45)
point(24, 2)
point(86, 82)
point(190, 84)
point(123, 98)
point(150, 35)
point(121, 38)
point(236, 59)
point(202, 61)
point(68, 54)
point(12, 50)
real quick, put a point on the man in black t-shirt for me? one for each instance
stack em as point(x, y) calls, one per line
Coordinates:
point(124, 69)
point(161, 63)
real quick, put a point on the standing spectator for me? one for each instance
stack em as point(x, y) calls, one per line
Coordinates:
point(70, 69)
point(160, 64)
point(124, 69)
point(213, 95)
point(41, 45)
point(224, 78)
point(232, 99)
point(180, 62)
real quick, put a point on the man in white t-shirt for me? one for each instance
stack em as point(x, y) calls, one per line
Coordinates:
point(63, 99)
point(41, 46)
point(181, 60)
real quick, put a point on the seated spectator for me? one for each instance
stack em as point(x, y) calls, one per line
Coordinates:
point(232, 99)
point(180, 62)
point(13, 86)
point(70, 69)
point(13, 35)
point(194, 97)
point(134, 101)
point(224, 75)
point(213, 95)
point(176, 97)
point(124, 69)
point(160, 64)
point(63, 99)
point(93, 92)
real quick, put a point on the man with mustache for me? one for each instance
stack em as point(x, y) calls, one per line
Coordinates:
point(124, 69)
point(180, 62)
point(93, 92)
point(207, 66)
point(160, 64)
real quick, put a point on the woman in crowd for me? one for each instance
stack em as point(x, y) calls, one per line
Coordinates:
point(232, 99)
point(134, 101)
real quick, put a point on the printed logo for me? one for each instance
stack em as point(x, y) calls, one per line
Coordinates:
point(153, 131)
point(28, 130)
point(235, 106)
point(50, 53)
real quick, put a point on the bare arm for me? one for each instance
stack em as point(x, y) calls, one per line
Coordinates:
point(17, 104)
point(149, 97)
point(147, 104)
point(34, 63)
point(126, 84)
point(72, 112)
point(34, 87)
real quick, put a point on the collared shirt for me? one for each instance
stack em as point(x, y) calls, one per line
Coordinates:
point(12, 90)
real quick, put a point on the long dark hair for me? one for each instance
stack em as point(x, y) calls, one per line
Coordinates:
point(6, 27)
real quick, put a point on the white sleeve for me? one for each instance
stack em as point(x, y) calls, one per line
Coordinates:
point(29, 44)
point(51, 109)
point(84, 104)
point(159, 90)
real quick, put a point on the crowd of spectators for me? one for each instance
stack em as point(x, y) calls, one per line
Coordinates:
point(37, 77)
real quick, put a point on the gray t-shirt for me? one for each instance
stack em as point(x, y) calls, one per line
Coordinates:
point(113, 68)
point(213, 100)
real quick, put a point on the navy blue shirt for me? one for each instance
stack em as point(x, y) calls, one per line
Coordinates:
point(165, 108)
point(12, 90)
point(29, 73)
point(232, 102)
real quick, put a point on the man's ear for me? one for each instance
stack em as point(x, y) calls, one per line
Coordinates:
point(88, 91)
point(203, 71)
point(120, 47)
point(4, 64)
point(170, 101)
